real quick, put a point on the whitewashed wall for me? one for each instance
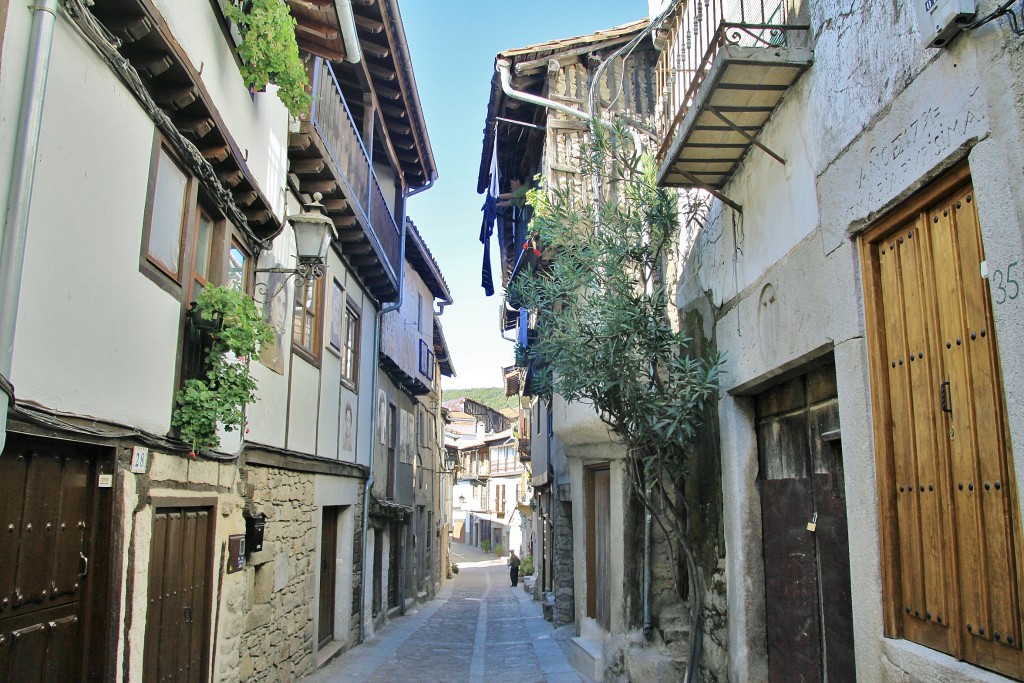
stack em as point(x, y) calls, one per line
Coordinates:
point(876, 117)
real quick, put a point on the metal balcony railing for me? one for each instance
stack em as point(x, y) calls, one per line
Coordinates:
point(332, 119)
point(694, 35)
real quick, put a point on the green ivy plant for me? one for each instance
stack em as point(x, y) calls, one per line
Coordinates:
point(221, 396)
point(604, 333)
point(269, 52)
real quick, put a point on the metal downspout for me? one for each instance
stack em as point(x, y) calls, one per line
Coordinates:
point(347, 22)
point(19, 197)
point(367, 492)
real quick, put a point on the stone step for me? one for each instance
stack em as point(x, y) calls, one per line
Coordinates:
point(586, 656)
point(654, 664)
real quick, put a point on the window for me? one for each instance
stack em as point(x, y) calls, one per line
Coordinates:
point(168, 194)
point(306, 318)
point(350, 352)
point(421, 432)
point(419, 313)
point(426, 361)
point(237, 276)
point(392, 450)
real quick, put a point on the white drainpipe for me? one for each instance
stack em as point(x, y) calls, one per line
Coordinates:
point(19, 197)
point(347, 21)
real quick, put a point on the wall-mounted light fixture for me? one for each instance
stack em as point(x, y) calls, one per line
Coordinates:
point(313, 231)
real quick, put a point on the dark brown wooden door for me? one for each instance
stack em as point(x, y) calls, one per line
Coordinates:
point(807, 572)
point(951, 557)
point(48, 521)
point(599, 586)
point(394, 556)
point(178, 618)
point(328, 575)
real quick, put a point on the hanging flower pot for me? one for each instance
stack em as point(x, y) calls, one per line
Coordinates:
point(203, 318)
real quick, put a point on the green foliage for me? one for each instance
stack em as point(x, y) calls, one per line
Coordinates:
point(489, 396)
point(485, 546)
point(604, 333)
point(269, 52)
point(222, 395)
point(455, 568)
point(526, 566)
point(499, 549)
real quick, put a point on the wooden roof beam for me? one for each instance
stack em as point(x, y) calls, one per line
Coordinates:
point(317, 30)
point(371, 25)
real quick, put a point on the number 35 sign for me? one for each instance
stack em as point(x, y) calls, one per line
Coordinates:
point(1005, 286)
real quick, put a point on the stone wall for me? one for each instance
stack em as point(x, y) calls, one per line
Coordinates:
point(277, 637)
point(563, 564)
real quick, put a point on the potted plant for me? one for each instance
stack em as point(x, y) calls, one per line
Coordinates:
point(269, 52)
point(485, 546)
point(219, 398)
point(204, 319)
point(499, 549)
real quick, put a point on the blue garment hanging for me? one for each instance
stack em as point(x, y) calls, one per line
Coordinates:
point(490, 210)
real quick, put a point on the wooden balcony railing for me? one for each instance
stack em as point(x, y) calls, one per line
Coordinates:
point(332, 119)
point(695, 33)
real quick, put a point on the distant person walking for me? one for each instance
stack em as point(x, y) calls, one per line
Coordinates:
point(513, 567)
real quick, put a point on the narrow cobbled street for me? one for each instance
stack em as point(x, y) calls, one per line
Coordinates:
point(478, 629)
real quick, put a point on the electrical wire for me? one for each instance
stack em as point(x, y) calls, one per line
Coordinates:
point(1002, 10)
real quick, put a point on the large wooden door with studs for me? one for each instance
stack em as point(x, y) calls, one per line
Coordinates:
point(53, 561)
point(949, 513)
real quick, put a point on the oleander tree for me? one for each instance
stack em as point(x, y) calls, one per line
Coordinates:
point(604, 332)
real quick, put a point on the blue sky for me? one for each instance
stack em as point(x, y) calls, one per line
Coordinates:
point(453, 44)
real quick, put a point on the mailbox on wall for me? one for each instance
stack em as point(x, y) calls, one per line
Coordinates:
point(236, 553)
point(254, 526)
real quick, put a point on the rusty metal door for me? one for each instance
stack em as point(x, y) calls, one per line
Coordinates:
point(328, 563)
point(49, 520)
point(178, 617)
point(804, 531)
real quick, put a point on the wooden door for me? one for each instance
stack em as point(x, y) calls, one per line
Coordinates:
point(328, 575)
point(178, 616)
point(394, 557)
point(599, 585)
point(808, 609)
point(52, 560)
point(951, 530)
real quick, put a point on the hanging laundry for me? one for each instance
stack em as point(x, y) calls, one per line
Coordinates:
point(490, 213)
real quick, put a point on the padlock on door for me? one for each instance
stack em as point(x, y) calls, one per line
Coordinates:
point(813, 524)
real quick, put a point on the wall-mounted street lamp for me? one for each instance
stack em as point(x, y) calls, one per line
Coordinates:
point(313, 231)
point(462, 501)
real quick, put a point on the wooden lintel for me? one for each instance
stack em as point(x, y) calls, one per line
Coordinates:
point(374, 50)
point(307, 166)
point(393, 111)
point(246, 198)
point(196, 127)
point(333, 205)
point(230, 179)
point(154, 64)
point(312, 4)
point(257, 216)
point(319, 50)
point(322, 186)
point(381, 72)
point(371, 25)
point(312, 28)
point(131, 29)
point(217, 154)
point(299, 141)
point(179, 98)
point(387, 92)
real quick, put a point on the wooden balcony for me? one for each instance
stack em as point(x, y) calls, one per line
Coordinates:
point(725, 67)
point(327, 155)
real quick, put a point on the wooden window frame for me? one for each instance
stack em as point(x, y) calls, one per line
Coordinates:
point(151, 266)
point(889, 537)
point(392, 450)
point(310, 353)
point(351, 332)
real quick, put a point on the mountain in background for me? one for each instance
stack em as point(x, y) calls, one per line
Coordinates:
point(489, 396)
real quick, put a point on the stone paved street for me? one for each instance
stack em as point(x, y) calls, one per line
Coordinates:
point(478, 629)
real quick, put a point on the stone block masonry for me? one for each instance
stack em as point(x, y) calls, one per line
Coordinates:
point(277, 636)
